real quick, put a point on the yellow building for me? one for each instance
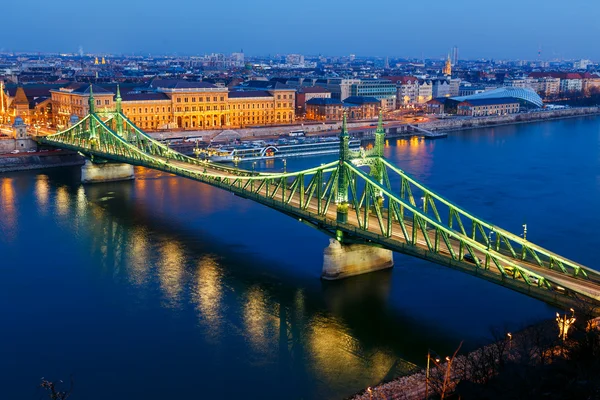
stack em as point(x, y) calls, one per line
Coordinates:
point(73, 100)
point(172, 104)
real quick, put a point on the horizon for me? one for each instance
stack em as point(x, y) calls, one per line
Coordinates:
point(144, 28)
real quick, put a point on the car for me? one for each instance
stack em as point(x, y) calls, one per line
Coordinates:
point(533, 279)
point(469, 258)
point(15, 152)
point(510, 270)
point(31, 150)
point(559, 289)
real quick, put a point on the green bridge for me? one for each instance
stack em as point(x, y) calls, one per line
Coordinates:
point(368, 206)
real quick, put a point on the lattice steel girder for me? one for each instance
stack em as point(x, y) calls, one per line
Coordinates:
point(504, 236)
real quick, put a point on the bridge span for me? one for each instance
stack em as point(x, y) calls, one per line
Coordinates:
point(368, 206)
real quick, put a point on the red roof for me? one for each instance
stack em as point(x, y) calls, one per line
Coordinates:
point(561, 75)
point(402, 79)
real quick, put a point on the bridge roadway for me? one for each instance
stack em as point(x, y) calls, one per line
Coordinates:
point(589, 287)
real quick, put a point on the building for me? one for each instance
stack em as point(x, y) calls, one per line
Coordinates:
point(340, 88)
point(383, 90)
point(437, 106)
point(454, 56)
point(570, 82)
point(440, 87)
point(73, 100)
point(407, 89)
point(488, 107)
point(170, 103)
point(304, 94)
point(328, 109)
point(591, 84)
point(468, 90)
point(360, 107)
point(425, 91)
point(582, 64)
point(30, 103)
point(526, 97)
point(454, 88)
point(324, 109)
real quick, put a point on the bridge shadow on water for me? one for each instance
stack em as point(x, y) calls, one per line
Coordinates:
point(324, 339)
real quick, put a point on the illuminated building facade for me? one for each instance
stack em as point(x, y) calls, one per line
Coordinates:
point(33, 110)
point(172, 104)
point(488, 106)
point(356, 107)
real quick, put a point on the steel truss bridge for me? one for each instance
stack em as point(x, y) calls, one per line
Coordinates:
point(360, 198)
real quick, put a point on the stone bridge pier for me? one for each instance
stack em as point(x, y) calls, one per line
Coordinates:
point(344, 260)
point(106, 172)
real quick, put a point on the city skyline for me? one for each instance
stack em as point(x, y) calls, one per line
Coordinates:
point(333, 28)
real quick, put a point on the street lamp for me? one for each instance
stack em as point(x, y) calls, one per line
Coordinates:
point(436, 360)
point(509, 340)
point(490, 239)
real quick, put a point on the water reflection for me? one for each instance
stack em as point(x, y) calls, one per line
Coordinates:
point(208, 296)
point(8, 211)
point(260, 319)
point(171, 271)
point(42, 189)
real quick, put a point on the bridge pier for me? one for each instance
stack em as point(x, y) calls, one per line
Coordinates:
point(343, 260)
point(106, 172)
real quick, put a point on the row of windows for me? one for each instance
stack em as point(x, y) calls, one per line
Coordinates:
point(200, 99)
point(164, 109)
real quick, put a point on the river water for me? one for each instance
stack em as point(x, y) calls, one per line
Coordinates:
point(165, 288)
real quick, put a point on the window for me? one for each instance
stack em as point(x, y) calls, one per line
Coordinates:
point(106, 102)
point(187, 109)
point(222, 98)
point(278, 97)
point(215, 98)
point(193, 99)
point(98, 102)
point(186, 99)
point(179, 100)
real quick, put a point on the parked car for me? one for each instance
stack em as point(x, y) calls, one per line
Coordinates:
point(15, 152)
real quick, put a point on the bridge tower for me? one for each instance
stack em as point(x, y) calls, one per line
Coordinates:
point(95, 171)
point(119, 109)
point(341, 260)
point(342, 180)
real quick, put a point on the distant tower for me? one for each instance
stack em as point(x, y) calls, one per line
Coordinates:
point(447, 70)
point(103, 61)
point(386, 65)
point(96, 61)
point(454, 55)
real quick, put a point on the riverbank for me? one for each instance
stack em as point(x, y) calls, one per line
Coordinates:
point(39, 160)
point(413, 387)
point(456, 124)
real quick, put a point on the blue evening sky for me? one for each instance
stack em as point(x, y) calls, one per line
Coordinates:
point(490, 29)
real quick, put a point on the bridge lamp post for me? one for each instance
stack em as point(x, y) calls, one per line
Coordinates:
point(490, 239)
point(564, 324)
point(436, 360)
point(284, 165)
point(509, 340)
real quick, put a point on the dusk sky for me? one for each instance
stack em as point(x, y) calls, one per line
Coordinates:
point(507, 29)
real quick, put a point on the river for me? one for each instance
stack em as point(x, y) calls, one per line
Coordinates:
point(165, 288)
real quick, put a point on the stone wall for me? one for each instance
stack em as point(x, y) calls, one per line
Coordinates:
point(20, 162)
